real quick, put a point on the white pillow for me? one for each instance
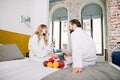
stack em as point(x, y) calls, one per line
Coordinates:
point(10, 52)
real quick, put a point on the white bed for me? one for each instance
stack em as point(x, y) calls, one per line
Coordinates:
point(23, 69)
point(13, 65)
point(27, 69)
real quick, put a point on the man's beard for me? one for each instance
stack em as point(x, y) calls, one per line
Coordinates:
point(71, 31)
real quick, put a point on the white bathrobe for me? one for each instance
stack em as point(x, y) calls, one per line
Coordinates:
point(83, 49)
point(38, 50)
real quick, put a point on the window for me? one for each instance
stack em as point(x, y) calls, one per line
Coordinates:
point(92, 24)
point(59, 28)
point(94, 31)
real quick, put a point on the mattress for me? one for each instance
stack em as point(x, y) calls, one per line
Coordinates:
point(26, 69)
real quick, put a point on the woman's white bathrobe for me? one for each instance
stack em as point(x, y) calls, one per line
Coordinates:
point(38, 50)
point(83, 49)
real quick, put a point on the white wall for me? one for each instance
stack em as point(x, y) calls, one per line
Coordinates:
point(11, 11)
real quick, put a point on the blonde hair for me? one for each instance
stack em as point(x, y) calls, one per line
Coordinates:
point(39, 31)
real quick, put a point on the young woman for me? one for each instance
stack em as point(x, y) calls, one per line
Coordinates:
point(38, 44)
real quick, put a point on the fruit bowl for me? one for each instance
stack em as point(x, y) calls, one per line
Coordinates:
point(52, 63)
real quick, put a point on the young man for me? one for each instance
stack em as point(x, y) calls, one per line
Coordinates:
point(83, 48)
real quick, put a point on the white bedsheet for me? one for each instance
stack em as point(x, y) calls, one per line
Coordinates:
point(23, 69)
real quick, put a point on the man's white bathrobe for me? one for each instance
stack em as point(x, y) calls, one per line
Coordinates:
point(83, 49)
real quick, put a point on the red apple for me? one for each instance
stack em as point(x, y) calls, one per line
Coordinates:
point(51, 60)
point(61, 63)
point(45, 63)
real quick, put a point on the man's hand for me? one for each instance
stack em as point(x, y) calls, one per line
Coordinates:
point(77, 70)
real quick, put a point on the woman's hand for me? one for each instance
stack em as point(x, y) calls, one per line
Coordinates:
point(53, 43)
point(66, 53)
point(53, 55)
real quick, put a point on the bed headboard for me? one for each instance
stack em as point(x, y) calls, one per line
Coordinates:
point(10, 52)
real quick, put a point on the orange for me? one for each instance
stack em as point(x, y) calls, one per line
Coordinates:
point(55, 64)
point(49, 64)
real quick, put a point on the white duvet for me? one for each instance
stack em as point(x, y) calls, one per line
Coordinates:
point(26, 69)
